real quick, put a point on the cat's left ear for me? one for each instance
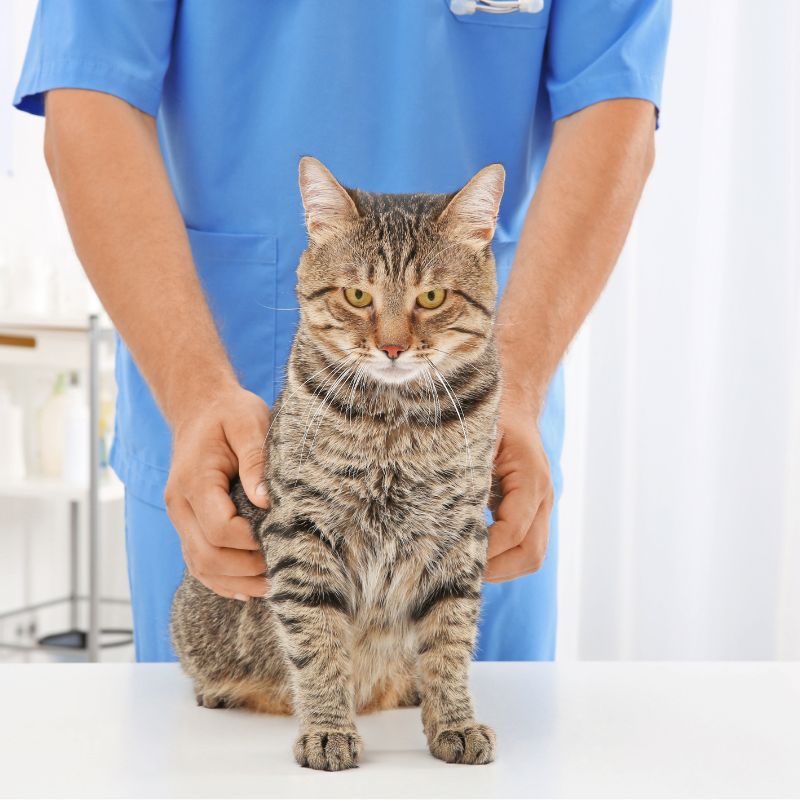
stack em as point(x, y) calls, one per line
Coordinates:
point(472, 213)
point(328, 206)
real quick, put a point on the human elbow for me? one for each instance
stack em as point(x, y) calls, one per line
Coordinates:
point(49, 149)
point(50, 137)
point(649, 158)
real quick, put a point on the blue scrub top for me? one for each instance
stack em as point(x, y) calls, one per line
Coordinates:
point(393, 96)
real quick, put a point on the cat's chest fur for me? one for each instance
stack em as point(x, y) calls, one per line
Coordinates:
point(395, 495)
point(397, 489)
point(387, 481)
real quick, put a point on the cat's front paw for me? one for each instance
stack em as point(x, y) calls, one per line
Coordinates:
point(472, 744)
point(329, 750)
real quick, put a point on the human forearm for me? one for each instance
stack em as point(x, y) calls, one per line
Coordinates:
point(573, 233)
point(127, 229)
point(574, 230)
point(106, 165)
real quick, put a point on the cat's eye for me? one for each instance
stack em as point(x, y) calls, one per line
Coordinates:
point(358, 297)
point(433, 298)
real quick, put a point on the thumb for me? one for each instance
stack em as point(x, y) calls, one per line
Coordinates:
point(515, 514)
point(248, 447)
point(251, 473)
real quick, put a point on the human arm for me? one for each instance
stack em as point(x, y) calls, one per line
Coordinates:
point(598, 163)
point(106, 165)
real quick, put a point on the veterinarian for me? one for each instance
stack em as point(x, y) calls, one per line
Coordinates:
point(173, 135)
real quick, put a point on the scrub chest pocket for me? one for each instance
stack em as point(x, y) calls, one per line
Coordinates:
point(239, 274)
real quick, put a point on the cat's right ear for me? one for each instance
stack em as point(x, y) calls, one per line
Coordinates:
point(472, 212)
point(328, 206)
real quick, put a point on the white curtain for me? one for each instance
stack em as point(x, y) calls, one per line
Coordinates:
point(680, 534)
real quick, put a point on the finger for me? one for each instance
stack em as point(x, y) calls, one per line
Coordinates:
point(495, 497)
point(247, 441)
point(526, 557)
point(515, 514)
point(183, 520)
point(498, 442)
point(203, 557)
point(216, 513)
point(235, 588)
point(226, 561)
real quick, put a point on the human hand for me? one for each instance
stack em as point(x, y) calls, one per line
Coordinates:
point(522, 496)
point(212, 443)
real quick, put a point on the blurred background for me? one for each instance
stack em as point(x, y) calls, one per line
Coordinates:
point(680, 519)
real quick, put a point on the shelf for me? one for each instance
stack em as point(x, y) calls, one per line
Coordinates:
point(30, 641)
point(116, 637)
point(53, 343)
point(38, 488)
point(68, 344)
point(64, 324)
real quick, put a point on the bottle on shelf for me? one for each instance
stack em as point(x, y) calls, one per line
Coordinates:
point(76, 454)
point(12, 460)
point(106, 423)
point(51, 430)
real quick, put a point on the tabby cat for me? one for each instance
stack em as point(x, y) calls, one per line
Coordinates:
point(379, 468)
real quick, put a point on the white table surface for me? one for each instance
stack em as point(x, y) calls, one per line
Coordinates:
point(566, 730)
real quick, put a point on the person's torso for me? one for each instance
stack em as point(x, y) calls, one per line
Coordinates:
point(393, 96)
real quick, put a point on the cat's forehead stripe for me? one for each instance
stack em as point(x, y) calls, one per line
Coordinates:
point(399, 236)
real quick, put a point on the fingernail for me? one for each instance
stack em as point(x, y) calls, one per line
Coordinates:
point(242, 598)
point(261, 489)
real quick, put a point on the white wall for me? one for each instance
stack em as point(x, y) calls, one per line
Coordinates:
point(34, 243)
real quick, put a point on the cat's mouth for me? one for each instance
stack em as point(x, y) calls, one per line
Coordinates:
point(394, 370)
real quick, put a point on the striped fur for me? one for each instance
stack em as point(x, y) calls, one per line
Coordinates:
point(375, 541)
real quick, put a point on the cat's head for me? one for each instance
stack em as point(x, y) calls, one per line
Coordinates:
point(399, 282)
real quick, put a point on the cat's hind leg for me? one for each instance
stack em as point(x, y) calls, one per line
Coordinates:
point(230, 650)
point(208, 700)
point(263, 696)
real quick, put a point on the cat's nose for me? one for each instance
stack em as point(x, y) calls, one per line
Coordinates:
point(392, 350)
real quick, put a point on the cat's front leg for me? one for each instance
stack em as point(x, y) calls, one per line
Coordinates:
point(446, 617)
point(311, 597)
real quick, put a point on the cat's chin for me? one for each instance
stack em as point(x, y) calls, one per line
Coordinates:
point(394, 374)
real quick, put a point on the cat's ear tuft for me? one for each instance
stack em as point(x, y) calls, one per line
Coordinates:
point(327, 204)
point(472, 213)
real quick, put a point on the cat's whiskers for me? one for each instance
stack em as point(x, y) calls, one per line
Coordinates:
point(359, 376)
point(284, 401)
point(319, 414)
point(424, 395)
point(277, 308)
point(459, 412)
point(426, 399)
point(437, 406)
point(351, 398)
point(316, 399)
point(340, 369)
point(460, 359)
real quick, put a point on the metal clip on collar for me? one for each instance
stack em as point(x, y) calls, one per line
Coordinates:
point(496, 6)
